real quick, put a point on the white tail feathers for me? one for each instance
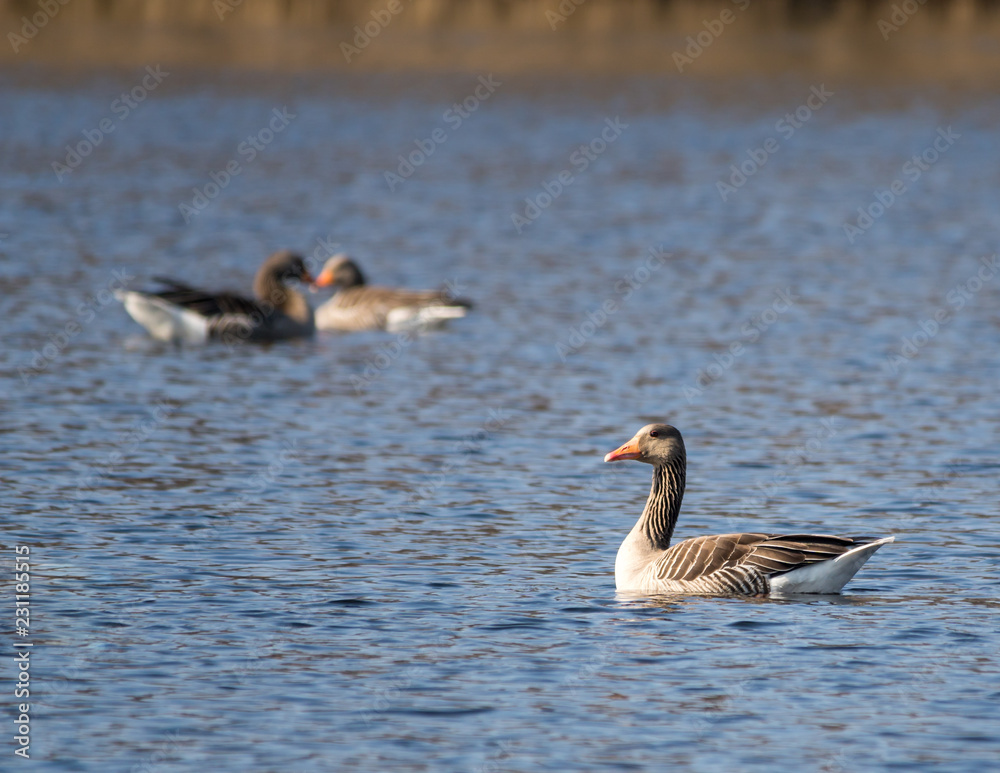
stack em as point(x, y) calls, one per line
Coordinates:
point(826, 576)
point(164, 321)
point(416, 317)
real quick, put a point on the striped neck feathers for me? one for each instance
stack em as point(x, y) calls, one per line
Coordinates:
point(664, 503)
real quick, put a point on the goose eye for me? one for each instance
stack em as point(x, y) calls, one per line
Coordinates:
point(654, 433)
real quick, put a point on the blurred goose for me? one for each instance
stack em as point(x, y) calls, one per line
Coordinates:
point(747, 564)
point(359, 306)
point(184, 314)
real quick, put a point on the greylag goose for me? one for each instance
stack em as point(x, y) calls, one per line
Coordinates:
point(187, 315)
point(359, 306)
point(745, 564)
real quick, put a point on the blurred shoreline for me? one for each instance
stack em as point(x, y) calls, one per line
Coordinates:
point(943, 43)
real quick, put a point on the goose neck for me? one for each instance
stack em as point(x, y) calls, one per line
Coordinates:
point(275, 295)
point(664, 503)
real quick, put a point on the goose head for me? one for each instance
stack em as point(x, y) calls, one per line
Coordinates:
point(340, 272)
point(275, 271)
point(285, 265)
point(656, 444)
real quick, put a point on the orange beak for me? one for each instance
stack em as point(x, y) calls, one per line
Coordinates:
point(325, 278)
point(628, 451)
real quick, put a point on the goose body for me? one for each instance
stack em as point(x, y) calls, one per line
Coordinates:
point(743, 564)
point(356, 305)
point(184, 314)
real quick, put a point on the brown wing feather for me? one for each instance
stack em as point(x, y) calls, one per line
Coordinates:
point(393, 298)
point(368, 307)
point(761, 553)
point(364, 307)
point(208, 304)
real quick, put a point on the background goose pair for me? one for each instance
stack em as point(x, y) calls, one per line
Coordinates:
point(277, 311)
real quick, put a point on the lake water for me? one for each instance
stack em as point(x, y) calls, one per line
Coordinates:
point(369, 553)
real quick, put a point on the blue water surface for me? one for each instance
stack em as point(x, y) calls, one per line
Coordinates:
point(374, 553)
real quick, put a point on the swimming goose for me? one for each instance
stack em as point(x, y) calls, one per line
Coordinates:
point(359, 306)
point(746, 564)
point(184, 314)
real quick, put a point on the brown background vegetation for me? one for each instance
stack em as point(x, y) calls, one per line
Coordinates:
point(959, 39)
